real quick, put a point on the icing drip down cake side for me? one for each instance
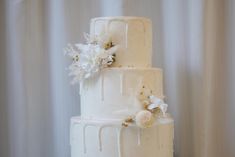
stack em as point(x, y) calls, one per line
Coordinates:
point(123, 113)
point(132, 34)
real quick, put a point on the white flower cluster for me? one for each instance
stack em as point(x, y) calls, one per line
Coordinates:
point(90, 58)
point(153, 107)
point(157, 103)
point(146, 117)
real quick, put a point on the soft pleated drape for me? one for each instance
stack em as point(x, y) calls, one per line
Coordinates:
point(193, 42)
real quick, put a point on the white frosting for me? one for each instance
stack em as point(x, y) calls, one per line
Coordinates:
point(133, 35)
point(106, 138)
point(114, 92)
point(112, 95)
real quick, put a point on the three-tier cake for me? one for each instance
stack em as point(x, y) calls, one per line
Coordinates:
point(122, 109)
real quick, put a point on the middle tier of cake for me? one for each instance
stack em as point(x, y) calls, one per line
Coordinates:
point(114, 92)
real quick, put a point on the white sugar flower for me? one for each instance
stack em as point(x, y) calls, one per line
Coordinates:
point(157, 103)
point(144, 119)
point(90, 58)
point(71, 51)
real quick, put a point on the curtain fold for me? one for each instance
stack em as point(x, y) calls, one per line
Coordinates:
point(4, 135)
point(193, 42)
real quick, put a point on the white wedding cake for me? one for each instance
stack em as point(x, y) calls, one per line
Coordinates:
point(122, 109)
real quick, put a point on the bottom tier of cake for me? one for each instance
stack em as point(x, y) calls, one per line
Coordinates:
point(107, 138)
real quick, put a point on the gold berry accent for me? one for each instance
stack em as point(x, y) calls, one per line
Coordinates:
point(108, 45)
point(76, 58)
point(129, 120)
point(124, 124)
point(146, 106)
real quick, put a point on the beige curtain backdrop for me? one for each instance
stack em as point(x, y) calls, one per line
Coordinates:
point(193, 41)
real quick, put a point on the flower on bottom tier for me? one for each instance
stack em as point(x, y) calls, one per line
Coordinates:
point(144, 119)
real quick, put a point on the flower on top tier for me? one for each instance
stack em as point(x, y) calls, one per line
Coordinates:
point(88, 59)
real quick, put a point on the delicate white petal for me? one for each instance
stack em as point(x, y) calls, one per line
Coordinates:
point(86, 36)
point(155, 100)
point(163, 108)
point(89, 58)
point(112, 50)
point(152, 106)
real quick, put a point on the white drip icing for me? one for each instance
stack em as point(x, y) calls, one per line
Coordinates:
point(100, 137)
point(102, 87)
point(159, 84)
point(119, 142)
point(84, 138)
point(126, 31)
point(107, 26)
point(145, 38)
point(139, 134)
point(80, 88)
point(119, 130)
point(100, 128)
point(161, 144)
point(161, 137)
point(122, 84)
point(71, 133)
point(127, 27)
point(139, 86)
point(126, 35)
point(158, 137)
point(171, 136)
point(95, 24)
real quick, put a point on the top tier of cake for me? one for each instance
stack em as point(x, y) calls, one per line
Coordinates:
point(133, 35)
